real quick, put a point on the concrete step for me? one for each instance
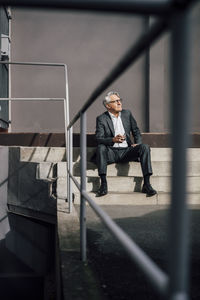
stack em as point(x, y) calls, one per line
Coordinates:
point(46, 171)
point(126, 184)
point(42, 154)
point(55, 154)
point(122, 178)
point(50, 154)
point(137, 198)
point(160, 168)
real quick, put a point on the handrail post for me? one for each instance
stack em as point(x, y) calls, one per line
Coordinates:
point(68, 131)
point(83, 143)
point(181, 98)
point(68, 144)
point(70, 166)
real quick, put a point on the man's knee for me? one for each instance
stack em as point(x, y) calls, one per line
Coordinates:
point(101, 148)
point(144, 148)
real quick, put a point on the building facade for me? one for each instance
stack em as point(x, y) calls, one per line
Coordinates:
point(91, 44)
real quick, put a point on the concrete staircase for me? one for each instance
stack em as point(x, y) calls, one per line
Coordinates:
point(37, 189)
point(46, 167)
point(125, 180)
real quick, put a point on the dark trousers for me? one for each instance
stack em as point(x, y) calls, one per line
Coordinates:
point(108, 155)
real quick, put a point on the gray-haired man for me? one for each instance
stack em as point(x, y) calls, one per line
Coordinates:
point(113, 129)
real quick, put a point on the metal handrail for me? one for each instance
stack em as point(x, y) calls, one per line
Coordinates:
point(175, 286)
point(153, 7)
point(157, 277)
point(6, 122)
point(68, 135)
point(32, 99)
point(24, 63)
point(146, 40)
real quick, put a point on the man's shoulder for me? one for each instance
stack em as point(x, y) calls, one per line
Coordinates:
point(103, 116)
point(126, 112)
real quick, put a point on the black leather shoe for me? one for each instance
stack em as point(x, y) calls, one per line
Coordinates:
point(147, 189)
point(103, 190)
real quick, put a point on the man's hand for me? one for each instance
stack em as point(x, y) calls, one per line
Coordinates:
point(133, 145)
point(118, 138)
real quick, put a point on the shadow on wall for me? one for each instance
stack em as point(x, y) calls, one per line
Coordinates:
point(27, 260)
point(17, 280)
point(25, 191)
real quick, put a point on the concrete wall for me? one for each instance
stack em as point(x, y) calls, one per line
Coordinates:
point(26, 194)
point(31, 240)
point(90, 44)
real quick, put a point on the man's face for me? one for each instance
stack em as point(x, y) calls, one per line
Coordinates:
point(115, 104)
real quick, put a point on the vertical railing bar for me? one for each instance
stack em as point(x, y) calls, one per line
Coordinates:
point(70, 166)
point(181, 99)
point(68, 163)
point(69, 196)
point(66, 142)
point(9, 77)
point(83, 188)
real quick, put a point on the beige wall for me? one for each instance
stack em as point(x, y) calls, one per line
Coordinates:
point(90, 44)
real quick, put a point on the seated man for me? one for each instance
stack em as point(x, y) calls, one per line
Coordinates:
point(113, 129)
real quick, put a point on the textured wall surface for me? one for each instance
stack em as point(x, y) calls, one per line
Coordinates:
point(90, 44)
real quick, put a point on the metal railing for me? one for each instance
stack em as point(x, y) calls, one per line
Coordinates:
point(66, 109)
point(174, 286)
point(5, 122)
point(173, 16)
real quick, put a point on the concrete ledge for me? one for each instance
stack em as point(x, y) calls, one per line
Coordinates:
point(68, 227)
point(32, 214)
point(78, 280)
point(58, 139)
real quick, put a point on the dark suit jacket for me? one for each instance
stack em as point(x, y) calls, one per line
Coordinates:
point(105, 129)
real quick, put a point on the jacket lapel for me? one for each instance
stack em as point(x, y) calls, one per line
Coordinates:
point(124, 122)
point(126, 127)
point(110, 123)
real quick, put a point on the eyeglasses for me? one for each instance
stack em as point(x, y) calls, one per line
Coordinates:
point(115, 101)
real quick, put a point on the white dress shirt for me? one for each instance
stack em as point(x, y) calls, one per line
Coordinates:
point(119, 129)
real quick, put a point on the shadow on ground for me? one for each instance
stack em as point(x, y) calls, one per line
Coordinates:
point(120, 279)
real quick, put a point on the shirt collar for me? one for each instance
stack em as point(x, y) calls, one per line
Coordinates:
point(113, 116)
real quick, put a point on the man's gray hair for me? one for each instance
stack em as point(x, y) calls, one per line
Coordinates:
point(107, 97)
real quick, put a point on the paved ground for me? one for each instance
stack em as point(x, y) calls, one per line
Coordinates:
point(147, 225)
